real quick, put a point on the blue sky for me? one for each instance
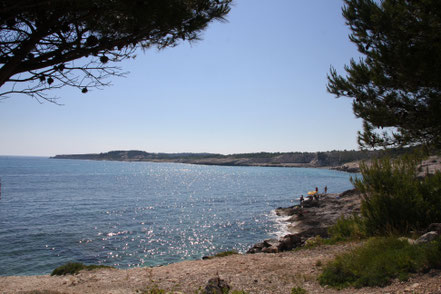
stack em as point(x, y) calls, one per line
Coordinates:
point(255, 83)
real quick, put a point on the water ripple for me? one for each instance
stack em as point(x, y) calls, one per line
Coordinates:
point(139, 214)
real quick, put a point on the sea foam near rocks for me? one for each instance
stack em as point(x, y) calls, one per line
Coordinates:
point(280, 224)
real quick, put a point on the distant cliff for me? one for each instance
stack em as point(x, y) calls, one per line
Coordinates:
point(333, 159)
point(135, 155)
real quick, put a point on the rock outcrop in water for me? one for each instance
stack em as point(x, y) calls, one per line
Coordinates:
point(312, 220)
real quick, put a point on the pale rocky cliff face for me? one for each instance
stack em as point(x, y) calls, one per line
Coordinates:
point(429, 166)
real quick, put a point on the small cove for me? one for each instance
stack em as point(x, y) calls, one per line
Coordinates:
point(128, 214)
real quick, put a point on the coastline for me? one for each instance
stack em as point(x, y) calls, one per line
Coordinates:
point(309, 221)
point(261, 273)
point(352, 167)
point(428, 166)
point(250, 194)
point(328, 159)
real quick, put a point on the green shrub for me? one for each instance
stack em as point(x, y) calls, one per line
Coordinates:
point(73, 268)
point(315, 242)
point(347, 228)
point(155, 291)
point(298, 290)
point(225, 253)
point(433, 254)
point(379, 261)
point(430, 189)
point(68, 268)
point(395, 200)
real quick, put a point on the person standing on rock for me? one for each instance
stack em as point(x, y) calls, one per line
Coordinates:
point(326, 189)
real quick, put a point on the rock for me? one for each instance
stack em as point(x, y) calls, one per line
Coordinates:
point(289, 242)
point(349, 193)
point(288, 211)
point(286, 243)
point(272, 249)
point(314, 232)
point(410, 241)
point(216, 286)
point(313, 220)
point(311, 203)
point(350, 167)
point(295, 218)
point(256, 248)
point(429, 166)
point(427, 237)
point(267, 246)
point(434, 227)
point(270, 242)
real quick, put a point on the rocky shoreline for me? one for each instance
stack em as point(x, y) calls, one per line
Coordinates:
point(311, 220)
point(258, 273)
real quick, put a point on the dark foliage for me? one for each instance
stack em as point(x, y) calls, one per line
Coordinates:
point(40, 40)
point(396, 86)
point(72, 268)
point(330, 158)
point(348, 228)
point(395, 199)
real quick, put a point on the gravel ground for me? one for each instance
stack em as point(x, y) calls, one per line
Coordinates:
point(253, 273)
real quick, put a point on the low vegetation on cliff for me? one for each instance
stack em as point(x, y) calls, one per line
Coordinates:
point(379, 261)
point(294, 159)
point(395, 202)
point(72, 268)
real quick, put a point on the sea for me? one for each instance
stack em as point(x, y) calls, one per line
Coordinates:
point(139, 214)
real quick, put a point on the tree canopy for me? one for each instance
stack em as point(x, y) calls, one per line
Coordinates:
point(396, 85)
point(49, 44)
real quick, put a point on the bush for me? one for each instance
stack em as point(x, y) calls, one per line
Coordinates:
point(314, 242)
point(433, 254)
point(223, 254)
point(226, 253)
point(395, 200)
point(73, 268)
point(155, 290)
point(347, 228)
point(298, 290)
point(430, 189)
point(379, 261)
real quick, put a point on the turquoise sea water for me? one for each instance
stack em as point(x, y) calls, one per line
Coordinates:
point(128, 214)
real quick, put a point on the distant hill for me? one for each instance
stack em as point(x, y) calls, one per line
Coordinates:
point(134, 155)
point(286, 159)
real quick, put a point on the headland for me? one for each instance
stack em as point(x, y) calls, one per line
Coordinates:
point(332, 159)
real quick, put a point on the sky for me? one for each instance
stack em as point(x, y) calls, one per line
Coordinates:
point(254, 83)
